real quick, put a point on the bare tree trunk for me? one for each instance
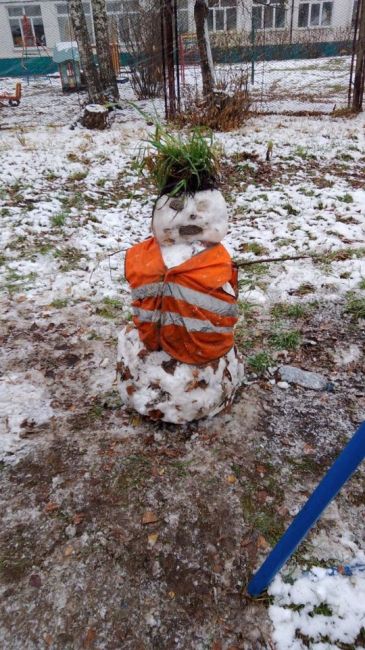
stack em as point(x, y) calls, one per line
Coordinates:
point(359, 79)
point(206, 62)
point(169, 49)
point(85, 50)
point(107, 76)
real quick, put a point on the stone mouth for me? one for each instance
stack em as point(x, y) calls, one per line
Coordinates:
point(190, 230)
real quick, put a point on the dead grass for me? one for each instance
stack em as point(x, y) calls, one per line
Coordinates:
point(227, 110)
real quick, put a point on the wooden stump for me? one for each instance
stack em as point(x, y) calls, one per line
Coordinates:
point(95, 117)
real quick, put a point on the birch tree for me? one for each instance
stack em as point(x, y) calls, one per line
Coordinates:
point(206, 61)
point(107, 76)
point(82, 37)
point(359, 79)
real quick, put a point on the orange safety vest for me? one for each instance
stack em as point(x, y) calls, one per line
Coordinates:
point(183, 310)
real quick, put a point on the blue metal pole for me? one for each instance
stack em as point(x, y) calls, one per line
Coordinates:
point(341, 470)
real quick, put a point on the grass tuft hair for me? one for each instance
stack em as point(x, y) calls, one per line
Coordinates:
point(182, 165)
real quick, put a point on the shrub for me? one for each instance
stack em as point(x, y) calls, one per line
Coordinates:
point(226, 110)
point(142, 39)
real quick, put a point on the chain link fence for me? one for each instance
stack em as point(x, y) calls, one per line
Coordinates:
point(295, 54)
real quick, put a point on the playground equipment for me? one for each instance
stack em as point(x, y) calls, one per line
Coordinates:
point(32, 41)
point(13, 99)
point(66, 55)
point(341, 470)
point(115, 54)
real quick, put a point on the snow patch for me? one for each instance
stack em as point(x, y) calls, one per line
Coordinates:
point(320, 604)
point(23, 399)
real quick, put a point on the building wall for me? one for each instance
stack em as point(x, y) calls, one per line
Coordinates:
point(341, 18)
point(6, 41)
point(50, 23)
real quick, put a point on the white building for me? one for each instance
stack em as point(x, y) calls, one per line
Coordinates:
point(32, 27)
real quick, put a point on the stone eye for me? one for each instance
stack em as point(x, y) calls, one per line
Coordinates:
point(177, 204)
point(192, 217)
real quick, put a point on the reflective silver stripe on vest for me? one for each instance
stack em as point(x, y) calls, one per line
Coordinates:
point(192, 297)
point(200, 299)
point(192, 324)
point(147, 291)
point(146, 316)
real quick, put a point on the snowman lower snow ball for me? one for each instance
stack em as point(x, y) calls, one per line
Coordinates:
point(178, 362)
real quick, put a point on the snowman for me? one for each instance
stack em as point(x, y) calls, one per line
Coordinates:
point(177, 362)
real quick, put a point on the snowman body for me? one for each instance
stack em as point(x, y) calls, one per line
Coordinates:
point(178, 362)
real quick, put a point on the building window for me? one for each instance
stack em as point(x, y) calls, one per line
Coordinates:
point(114, 10)
point(315, 14)
point(269, 16)
point(26, 26)
point(222, 15)
point(64, 23)
point(183, 16)
point(129, 21)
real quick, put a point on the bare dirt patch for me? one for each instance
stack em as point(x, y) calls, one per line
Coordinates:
point(83, 565)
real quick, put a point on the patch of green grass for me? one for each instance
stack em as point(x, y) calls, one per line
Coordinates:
point(78, 176)
point(260, 362)
point(59, 220)
point(44, 249)
point(355, 306)
point(346, 157)
point(304, 289)
point(73, 200)
point(286, 310)
point(181, 467)
point(242, 336)
point(285, 340)
point(96, 411)
point(2, 259)
point(255, 248)
point(111, 308)
point(321, 610)
point(346, 198)
point(305, 465)
point(269, 525)
point(284, 242)
point(362, 284)
point(50, 175)
point(113, 302)
point(59, 303)
point(261, 518)
point(13, 569)
point(101, 182)
point(246, 308)
point(15, 282)
point(343, 254)
point(290, 209)
point(303, 152)
point(17, 243)
point(306, 192)
point(4, 212)
point(134, 472)
point(254, 272)
point(81, 421)
point(337, 88)
point(69, 258)
point(94, 336)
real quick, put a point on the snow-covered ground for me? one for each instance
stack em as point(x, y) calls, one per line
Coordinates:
point(71, 201)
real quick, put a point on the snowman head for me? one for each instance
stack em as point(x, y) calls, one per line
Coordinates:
point(190, 217)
